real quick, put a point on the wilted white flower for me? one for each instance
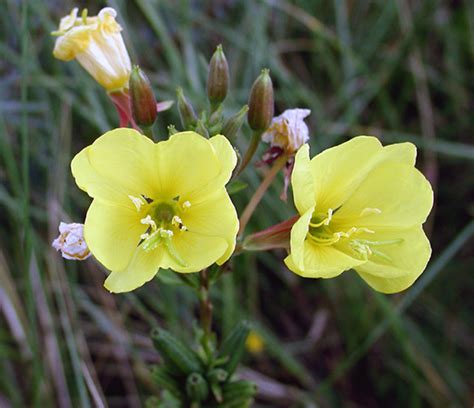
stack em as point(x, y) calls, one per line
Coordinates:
point(71, 242)
point(288, 131)
point(97, 44)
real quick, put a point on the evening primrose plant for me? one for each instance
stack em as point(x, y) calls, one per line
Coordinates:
point(165, 205)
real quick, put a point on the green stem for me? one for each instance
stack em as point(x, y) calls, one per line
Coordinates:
point(252, 148)
point(262, 188)
point(205, 307)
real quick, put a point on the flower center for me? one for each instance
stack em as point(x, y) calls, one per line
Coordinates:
point(321, 232)
point(163, 221)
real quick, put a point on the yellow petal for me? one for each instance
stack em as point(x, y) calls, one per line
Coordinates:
point(112, 232)
point(311, 260)
point(401, 264)
point(141, 269)
point(187, 163)
point(399, 191)
point(214, 216)
point(117, 164)
point(226, 155)
point(302, 181)
point(322, 261)
point(398, 152)
point(196, 250)
point(298, 234)
point(339, 170)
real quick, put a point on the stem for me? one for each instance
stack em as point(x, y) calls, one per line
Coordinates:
point(262, 188)
point(250, 151)
point(205, 305)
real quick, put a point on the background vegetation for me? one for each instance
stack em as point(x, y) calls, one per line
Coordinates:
point(398, 69)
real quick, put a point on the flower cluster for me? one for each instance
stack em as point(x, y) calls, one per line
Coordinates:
point(165, 205)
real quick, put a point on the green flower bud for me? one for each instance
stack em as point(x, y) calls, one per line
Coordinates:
point(218, 77)
point(234, 346)
point(234, 123)
point(142, 100)
point(177, 356)
point(196, 387)
point(239, 390)
point(218, 375)
point(186, 111)
point(261, 102)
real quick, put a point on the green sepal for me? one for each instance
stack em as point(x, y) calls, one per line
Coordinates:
point(231, 127)
point(175, 353)
point(235, 186)
point(202, 129)
point(233, 346)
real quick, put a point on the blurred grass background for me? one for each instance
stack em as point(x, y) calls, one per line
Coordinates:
point(398, 69)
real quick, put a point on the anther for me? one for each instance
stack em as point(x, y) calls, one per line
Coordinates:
point(369, 211)
point(178, 222)
point(138, 202)
point(148, 221)
point(186, 205)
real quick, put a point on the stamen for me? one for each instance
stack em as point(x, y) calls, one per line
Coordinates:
point(186, 205)
point(84, 16)
point(369, 211)
point(325, 240)
point(165, 233)
point(326, 221)
point(137, 201)
point(178, 222)
point(149, 221)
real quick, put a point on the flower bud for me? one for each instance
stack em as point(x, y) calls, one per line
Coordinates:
point(218, 77)
point(196, 387)
point(234, 123)
point(261, 102)
point(186, 111)
point(141, 98)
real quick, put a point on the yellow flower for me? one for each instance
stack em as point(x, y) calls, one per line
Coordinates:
point(97, 44)
point(254, 343)
point(160, 205)
point(361, 206)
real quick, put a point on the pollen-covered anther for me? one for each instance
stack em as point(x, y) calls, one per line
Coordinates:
point(178, 222)
point(165, 233)
point(138, 202)
point(186, 205)
point(149, 221)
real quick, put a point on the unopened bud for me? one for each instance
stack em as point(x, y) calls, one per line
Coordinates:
point(218, 77)
point(141, 98)
point(196, 387)
point(261, 102)
point(186, 111)
point(234, 123)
